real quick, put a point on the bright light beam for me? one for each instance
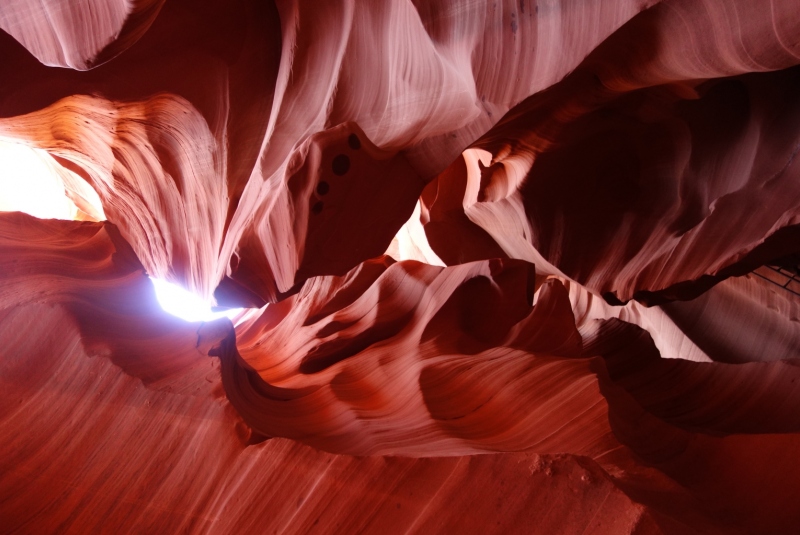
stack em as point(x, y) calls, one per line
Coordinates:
point(186, 305)
point(28, 185)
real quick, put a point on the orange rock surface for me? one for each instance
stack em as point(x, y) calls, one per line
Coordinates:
point(497, 259)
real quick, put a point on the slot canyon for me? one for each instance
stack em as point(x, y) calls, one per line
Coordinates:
point(480, 266)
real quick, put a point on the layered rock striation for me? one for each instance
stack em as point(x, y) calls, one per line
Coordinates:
point(496, 258)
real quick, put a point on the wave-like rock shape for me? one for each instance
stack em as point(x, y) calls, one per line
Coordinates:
point(760, 322)
point(677, 192)
point(168, 140)
point(713, 440)
point(155, 166)
point(419, 101)
point(597, 112)
point(79, 35)
point(342, 203)
point(636, 152)
point(88, 273)
point(290, 374)
point(408, 358)
point(78, 316)
point(420, 379)
point(81, 285)
point(641, 150)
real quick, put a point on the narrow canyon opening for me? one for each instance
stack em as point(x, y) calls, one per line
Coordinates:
point(32, 182)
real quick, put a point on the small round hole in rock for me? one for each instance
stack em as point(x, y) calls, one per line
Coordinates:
point(323, 188)
point(354, 142)
point(340, 165)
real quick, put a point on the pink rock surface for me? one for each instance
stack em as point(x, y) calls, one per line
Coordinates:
point(78, 35)
point(562, 336)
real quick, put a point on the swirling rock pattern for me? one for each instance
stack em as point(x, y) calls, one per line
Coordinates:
point(496, 255)
point(413, 355)
point(79, 35)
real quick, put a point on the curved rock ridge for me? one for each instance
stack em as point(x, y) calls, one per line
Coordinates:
point(435, 91)
point(175, 463)
point(377, 180)
point(653, 164)
point(342, 203)
point(455, 345)
point(408, 358)
point(166, 139)
point(439, 45)
point(78, 316)
point(78, 35)
point(714, 451)
point(537, 186)
point(86, 272)
point(370, 390)
point(156, 161)
point(760, 322)
point(81, 285)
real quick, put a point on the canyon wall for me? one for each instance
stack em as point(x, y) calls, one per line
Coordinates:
point(497, 260)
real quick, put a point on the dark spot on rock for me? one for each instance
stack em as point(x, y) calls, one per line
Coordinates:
point(341, 165)
point(612, 299)
point(398, 506)
point(317, 208)
point(323, 188)
point(513, 24)
point(354, 142)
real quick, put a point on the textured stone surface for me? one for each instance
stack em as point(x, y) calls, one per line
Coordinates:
point(495, 255)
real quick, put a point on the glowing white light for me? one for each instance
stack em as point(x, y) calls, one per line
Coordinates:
point(186, 305)
point(32, 182)
point(411, 242)
point(28, 185)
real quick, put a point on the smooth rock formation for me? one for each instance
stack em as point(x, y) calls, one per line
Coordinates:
point(498, 258)
point(79, 35)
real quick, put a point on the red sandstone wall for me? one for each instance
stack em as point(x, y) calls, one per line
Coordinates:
point(559, 340)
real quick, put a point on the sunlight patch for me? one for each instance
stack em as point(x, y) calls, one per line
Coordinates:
point(31, 181)
point(29, 185)
point(184, 304)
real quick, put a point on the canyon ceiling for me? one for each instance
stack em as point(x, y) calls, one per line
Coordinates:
point(504, 267)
